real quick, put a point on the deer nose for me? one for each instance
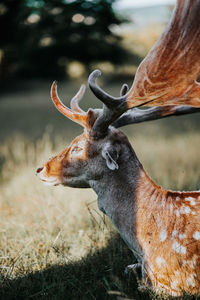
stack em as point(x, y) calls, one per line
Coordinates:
point(39, 170)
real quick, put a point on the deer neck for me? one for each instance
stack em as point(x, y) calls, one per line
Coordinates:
point(118, 196)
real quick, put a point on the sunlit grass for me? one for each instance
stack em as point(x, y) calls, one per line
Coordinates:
point(172, 162)
point(36, 219)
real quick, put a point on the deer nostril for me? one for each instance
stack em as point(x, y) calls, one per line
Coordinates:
point(39, 170)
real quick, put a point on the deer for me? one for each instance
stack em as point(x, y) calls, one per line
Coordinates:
point(161, 227)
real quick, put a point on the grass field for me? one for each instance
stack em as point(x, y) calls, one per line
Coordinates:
point(55, 244)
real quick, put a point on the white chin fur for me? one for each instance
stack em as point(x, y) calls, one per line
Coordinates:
point(51, 183)
point(49, 180)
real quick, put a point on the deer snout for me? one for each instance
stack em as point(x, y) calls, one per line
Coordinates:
point(50, 175)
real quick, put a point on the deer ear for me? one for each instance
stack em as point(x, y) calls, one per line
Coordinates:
point(111, 156)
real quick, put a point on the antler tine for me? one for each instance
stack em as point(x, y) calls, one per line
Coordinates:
point(58, 103)
point(75, 100)
point(76, 117)
point(136, 115)
point(107, 99)
point(113, 106)
point(124, 89)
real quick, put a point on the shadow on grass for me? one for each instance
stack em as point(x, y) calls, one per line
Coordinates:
point(97, 276)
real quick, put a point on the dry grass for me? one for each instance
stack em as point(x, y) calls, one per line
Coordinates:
point(173, 162)
point(55, 244)
point(37, 219)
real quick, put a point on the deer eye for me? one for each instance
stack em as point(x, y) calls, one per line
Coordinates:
point(76, 149)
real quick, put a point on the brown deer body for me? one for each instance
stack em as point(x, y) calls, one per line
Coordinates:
point(161, 227)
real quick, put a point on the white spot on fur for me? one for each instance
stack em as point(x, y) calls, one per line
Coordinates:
point(177, 213)
point(184, 262)
point(177, 273)
point(163, 202)
point(174, 233)
point(174, 284)
point(160, 261)
point(177, 198)
point(182, 236)
point(192, 264)
point(142, 174)
point(171, 207)
point(178, 248)
point(190, 281)
point(193, 213)
point(196, 235)
point(191, 200)
point(163, 235)
point(185, 210)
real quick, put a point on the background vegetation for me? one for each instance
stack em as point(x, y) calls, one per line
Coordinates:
point(55, 244)
point(42, 37)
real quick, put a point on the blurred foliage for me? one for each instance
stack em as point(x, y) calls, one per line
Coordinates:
point(41, 37)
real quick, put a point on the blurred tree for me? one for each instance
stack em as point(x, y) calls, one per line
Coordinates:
point(40, 37)
point(12, 15)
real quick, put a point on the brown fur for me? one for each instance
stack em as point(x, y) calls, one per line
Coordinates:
point(166, 223)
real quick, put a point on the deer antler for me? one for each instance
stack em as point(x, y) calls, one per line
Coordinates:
point(169, 75)
point(172, 67)
point(113, 108)
point(136, 115)
point(77, 115)
point(75, 100)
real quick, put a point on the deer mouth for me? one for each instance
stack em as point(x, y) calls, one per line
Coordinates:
point(51, 180)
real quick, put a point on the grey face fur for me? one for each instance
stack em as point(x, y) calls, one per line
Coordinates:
point(102, 165)
point(115, 183)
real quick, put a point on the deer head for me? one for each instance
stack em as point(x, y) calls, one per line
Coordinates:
point(91, 153)
point(167, 77)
